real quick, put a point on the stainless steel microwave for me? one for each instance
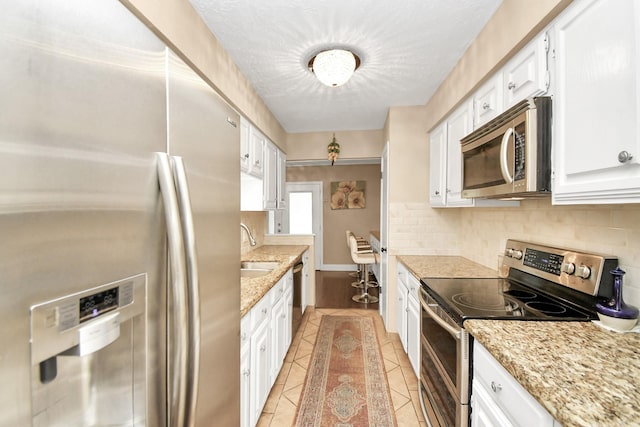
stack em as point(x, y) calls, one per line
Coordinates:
point(510, 156)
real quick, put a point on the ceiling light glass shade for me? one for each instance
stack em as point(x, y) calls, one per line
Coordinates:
point(334, 67)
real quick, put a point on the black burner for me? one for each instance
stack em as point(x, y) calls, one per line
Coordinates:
point(551, 309)
point(485, 301)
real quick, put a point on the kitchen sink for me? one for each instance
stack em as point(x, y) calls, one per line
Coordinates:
point(259, 265)
point(257, 268)
point(253, 272)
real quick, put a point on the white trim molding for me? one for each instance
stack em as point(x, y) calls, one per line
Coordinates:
point(339, 162)
point(339, 267)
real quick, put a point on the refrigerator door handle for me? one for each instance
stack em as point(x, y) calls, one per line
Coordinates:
point(177, 352)
point(188, 231)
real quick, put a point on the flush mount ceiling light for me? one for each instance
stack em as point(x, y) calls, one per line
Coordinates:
point(334, 67)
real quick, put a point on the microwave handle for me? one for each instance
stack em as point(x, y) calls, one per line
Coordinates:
point(504, 166)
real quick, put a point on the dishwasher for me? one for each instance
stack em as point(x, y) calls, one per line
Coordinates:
point(296, 317)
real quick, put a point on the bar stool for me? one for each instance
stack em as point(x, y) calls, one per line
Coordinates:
point(364, 247)
point(363, 259)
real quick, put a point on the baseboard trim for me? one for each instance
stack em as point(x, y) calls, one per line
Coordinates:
point(339, 267)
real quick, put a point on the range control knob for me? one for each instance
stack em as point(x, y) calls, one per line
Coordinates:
point(508, 252)
point(517, 254)
point(568, 267)
point(583, 271)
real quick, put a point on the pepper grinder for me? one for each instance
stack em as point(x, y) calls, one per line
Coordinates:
point(616, 307)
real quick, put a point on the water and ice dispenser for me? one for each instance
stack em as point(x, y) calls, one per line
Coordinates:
point(88, 360)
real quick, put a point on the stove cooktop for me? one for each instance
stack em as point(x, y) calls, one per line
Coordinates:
point(497, 298)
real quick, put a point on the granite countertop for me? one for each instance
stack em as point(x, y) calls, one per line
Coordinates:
point(252, 289)
point(444, 266)
point(582, 374)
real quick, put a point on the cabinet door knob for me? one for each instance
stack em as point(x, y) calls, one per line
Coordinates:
point(246, 372)
point(263, 347)
point(485, 106)
point(246, 156)
point(511, 86)
point(495, 387)
point(624, 156)
point(383, 249)
point(264, 311)
point(437, 193)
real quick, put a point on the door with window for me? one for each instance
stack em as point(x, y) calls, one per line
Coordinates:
point(304, 213)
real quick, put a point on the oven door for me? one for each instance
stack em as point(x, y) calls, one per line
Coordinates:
point(444, 366)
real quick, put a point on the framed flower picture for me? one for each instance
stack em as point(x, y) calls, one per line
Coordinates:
point(348, 194)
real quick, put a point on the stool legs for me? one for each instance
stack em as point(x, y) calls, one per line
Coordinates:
point(365, 298)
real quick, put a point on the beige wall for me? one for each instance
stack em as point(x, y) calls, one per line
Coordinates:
point(178, 24)
point(336, 222)
point(353, 144)
point(407, 136)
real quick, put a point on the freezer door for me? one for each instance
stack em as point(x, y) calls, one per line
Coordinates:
point(203, 131)
point(81, 113)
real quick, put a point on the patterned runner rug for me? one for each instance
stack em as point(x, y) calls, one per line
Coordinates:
point(346, 384)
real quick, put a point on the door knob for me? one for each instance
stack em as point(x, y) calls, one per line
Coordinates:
point(383, 249)
point(624, 156)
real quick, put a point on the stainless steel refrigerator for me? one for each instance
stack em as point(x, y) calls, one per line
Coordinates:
point(119, 225)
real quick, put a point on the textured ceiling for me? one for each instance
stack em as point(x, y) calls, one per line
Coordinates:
point(407, 47)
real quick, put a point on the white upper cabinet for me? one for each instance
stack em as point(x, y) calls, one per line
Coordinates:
point(263, 166)
point(281, 180)
point(488, 101)
point(244, 145)
point(459, 124)
point(526, 74)
point(251, 149)
point(438, 165)
point(270, 176)
point(257, 143)
point(597, 103)
point(445, 162)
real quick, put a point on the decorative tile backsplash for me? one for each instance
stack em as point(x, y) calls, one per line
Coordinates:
point(479, 234)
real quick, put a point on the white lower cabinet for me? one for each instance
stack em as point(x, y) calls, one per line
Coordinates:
point(280, 323)
point(265, 337)
point(402, 306)
point(497, 399)
point(260, 370)
point(288, 312)
point(408, 312)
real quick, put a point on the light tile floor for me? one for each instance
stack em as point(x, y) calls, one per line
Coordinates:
point(280, 409)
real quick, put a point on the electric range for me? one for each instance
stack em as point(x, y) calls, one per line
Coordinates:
point(539, 283)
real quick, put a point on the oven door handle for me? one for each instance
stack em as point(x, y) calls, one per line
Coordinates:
point(504, 150)
point(456, 333)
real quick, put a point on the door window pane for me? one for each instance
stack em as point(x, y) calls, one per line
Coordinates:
point(300, 213)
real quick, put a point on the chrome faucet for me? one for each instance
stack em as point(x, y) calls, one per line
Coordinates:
point(252, 241)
